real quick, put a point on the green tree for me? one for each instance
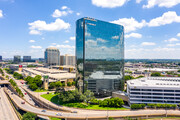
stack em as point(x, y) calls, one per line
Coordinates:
point(88, 95)
point(69, 84)
point(58, 84)
point(33, 86)
point(29, 116)
point(52, 85)
point(156, 74)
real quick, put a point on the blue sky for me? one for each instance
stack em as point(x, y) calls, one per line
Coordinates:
point(27, 27)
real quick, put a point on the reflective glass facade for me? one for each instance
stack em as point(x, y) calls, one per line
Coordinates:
point(100, 56)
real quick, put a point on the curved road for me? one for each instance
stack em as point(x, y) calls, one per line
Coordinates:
point(83, 114)
point(6, 110)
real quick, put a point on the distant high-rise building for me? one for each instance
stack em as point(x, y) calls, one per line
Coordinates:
point(67, 60)
point(26, 58)
point(0, 58)
point(99, 56)
point(17, 59)
point(52, 56)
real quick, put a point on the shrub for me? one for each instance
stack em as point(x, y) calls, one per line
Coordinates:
point(111, 102)
point(29, 116)
point(138, 106)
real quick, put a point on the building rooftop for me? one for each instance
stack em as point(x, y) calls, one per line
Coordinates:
point(101, 75)
point(52, 48)
point(168, 82)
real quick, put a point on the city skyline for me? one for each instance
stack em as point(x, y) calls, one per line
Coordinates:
point(150, 27)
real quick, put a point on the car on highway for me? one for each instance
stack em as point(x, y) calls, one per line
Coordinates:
point(12, 93)
point(22, 102)
point(74, 112)
point(25, 93)
point(58, 114)
point(43, 111)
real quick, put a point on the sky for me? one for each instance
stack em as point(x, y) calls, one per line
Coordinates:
point(28, 27)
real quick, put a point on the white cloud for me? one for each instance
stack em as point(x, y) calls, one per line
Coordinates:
point(171, 40)
point(65, 46)
point(58, 13)
point(172, 45)
point(115, 37)
point(66, 41)
point(161, 3)
point(138, 1)
point(72, 38)
point(155, 53)
point(64, 7)
point(32, 41)
point(130, 24)
point(53, 44)
point(42, 38)
point(34, 32)
point(101, 40)
point(1, 13)
point(37, 26)
point(178, 35)
point(135, 35)
point(148, 43)
point(78, 13)
point(109, 3)
point(36, 47)
point(167, 18)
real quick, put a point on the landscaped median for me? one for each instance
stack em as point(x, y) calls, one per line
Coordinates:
point(85, 103)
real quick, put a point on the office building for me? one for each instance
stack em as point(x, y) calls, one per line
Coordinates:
point(17, 59)
point(52, 56)
point(67, 60)
point(0, 58)
point(100, 56)
point(154, 90)
point(27, 59)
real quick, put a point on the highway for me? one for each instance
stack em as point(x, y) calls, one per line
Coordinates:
point(83, 114)
point(6, 110)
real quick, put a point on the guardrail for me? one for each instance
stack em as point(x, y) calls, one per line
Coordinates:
point(44, 104)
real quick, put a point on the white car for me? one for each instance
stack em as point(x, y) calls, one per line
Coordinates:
point(58, 114)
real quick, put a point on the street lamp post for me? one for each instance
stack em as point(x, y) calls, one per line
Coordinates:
point(166, 107)
point(58, 104)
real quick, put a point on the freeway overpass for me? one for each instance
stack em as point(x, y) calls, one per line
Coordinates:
point(90, 114)
point(4, 82)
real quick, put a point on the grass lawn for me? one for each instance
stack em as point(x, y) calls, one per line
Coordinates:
point(52, 118)
point(40, 90)
point(54, 98)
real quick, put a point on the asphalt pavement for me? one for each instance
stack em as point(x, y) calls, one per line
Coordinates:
point(6, 110)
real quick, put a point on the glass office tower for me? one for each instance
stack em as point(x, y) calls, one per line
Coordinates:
point(100, 56)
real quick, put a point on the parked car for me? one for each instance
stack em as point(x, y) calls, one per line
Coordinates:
point(43, 111)
point(23, 102)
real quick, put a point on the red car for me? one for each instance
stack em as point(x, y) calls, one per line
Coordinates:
point(22, 102)
point(25, 93)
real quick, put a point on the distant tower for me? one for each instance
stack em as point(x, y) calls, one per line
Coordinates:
point(52, 56)
point(0, 58)
point(17, 59)
point(45, 82)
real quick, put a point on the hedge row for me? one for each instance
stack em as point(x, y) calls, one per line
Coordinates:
point(16, 87)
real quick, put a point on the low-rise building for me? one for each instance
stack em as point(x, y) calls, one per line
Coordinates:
point(154, 90)
point(53, 74)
